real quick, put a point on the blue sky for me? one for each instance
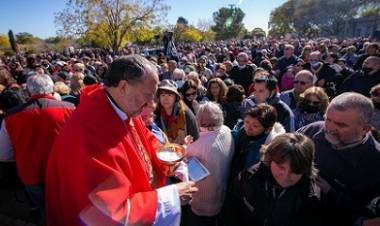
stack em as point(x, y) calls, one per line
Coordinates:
point(37, 16)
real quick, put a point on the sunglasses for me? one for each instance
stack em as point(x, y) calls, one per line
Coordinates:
point(260, 80)
point(190, 94)
point(375, 94)
point(299, 82)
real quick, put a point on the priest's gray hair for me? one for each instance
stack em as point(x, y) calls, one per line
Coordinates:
point(210, 116)
point(40, 84)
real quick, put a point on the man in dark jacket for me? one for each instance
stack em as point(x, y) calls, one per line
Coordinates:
point(362, 81)
point(371, 50)
point(287, 59)
point(242, 74)
point(348, 160)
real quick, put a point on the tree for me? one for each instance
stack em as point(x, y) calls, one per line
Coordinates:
point(24, 38)
point(182, 20)
point(108, 22)
point(5, 46)
point(280, 20)
point(371, 8)
point(315, 17)
point(145, 35)
point(4, 42)
point(228, 22)
point(326, 15)
point(12, 41)
point(258, 32)
point(192, 35)
point(370, 12)
point(204, 26)
point(180, 28)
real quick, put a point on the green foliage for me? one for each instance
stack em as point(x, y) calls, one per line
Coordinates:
point(182, 20)
point(208, 36)
point(370, 12)
point(315, 17)
point(185, 33)
point(280, 20)
point(108, 23)
point(25, 38)
point(4, 42)
point(258, 32)
point(145, 35)
point(228, 23)
point(192, 34)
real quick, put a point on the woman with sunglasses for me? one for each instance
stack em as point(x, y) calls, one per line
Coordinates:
point(189, 93)
point(311, 106)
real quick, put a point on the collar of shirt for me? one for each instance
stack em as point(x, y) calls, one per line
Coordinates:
point(118, 111)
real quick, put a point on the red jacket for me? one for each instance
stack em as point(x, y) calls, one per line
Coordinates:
point(95, 176)
point(32, 129)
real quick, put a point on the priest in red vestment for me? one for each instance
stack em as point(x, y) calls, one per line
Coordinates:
point(103, 169)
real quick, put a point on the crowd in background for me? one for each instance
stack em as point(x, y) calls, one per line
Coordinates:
point(237, 106)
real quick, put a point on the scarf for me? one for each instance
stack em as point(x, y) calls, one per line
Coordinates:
point(174, 122)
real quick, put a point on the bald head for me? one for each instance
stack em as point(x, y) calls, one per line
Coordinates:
point(304, 79)
point(371, 64)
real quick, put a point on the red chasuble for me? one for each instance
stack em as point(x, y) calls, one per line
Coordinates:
point(95, 174)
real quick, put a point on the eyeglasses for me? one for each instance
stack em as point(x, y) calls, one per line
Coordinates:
point(299, 82)
point(315, 103)
point(190, 94)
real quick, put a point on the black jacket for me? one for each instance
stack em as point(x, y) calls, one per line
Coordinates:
point(353, 173)
point(242, 76)
point(360, 83)
point(256, 199)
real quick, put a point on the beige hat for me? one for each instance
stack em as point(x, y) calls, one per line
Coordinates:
point(168, 85)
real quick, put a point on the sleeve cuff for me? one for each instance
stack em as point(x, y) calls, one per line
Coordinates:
point(182, 172)
point(168, 211)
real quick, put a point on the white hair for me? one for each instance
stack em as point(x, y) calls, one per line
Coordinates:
point(178, 74)
point(40, 84)
point(242, 55)
point(210, 116)
point(315, 53)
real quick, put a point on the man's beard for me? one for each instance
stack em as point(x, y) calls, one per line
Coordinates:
point(336, 141)
point(332, 139)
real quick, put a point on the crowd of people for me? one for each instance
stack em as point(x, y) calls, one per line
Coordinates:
point(288, 130)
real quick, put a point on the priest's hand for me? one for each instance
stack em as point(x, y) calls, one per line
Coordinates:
point(185, 191)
